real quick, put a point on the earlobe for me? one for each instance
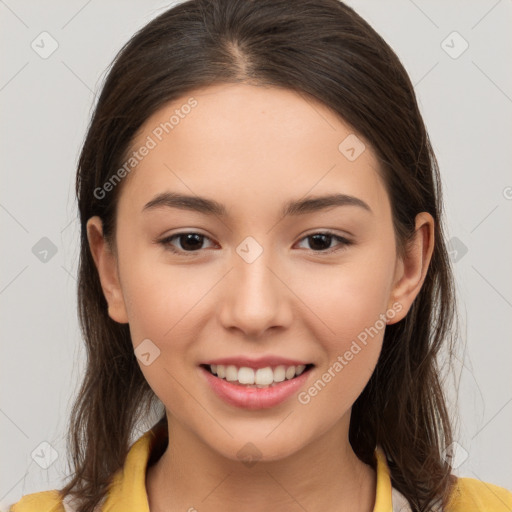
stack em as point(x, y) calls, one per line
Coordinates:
point(412, 269)
point(106, 266)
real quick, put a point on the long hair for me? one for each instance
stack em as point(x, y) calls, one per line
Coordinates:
point(320, 48)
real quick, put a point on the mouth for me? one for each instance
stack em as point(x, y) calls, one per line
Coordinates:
point(247, 377)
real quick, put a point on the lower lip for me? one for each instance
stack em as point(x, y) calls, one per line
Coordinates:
point(254, 398)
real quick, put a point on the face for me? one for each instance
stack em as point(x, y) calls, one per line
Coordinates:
point(315, 286)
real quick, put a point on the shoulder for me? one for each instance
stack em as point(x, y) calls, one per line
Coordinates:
point(470, 494)
point(45, 501)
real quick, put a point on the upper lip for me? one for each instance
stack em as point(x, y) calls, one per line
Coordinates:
point(261, 362)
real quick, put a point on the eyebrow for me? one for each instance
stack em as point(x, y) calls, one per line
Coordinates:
point(291, 208)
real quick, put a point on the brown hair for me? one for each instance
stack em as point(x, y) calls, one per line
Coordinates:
point(320, 48)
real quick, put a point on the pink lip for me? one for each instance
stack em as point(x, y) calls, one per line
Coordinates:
point(254, 398)
point(261, 362)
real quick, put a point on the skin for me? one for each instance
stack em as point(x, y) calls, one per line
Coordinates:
point(253, 149)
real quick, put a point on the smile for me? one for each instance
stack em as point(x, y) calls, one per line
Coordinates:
point(256, 378)
point(255, 388)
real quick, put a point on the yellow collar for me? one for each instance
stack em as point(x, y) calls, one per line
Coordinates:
point(128, 489)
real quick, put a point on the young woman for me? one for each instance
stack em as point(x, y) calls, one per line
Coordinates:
point(262, 255)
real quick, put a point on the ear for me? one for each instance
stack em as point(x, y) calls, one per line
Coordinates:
point(106, 264)
point(411, 270)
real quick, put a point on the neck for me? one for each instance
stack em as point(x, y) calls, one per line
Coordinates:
point(325, 475)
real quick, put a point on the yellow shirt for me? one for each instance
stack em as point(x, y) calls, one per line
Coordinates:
point(128, 490)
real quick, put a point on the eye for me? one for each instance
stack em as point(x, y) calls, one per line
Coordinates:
point(321, 242)
point(190, 242)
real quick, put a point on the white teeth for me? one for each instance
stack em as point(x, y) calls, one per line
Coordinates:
point(264, 376)
point(290, 372)
point(261, 378)
point(279, 374)
point(246, 375)
point(231, 373)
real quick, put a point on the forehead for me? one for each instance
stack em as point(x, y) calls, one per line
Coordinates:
point(248, 142)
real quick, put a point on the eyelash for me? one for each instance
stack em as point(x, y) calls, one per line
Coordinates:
point(344, 242)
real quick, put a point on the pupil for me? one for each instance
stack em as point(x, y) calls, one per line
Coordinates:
point(189, 239)
point(318, 237)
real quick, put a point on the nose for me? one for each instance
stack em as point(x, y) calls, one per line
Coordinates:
point(255, 297)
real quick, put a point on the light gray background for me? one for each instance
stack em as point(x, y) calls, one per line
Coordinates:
point(46, 105)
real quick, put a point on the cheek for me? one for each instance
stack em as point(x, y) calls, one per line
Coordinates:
point(168, 305)
point(159, 297)
point(349, 298)
point(350, 305)
point(160, 305)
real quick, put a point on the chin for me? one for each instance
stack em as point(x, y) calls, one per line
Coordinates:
point(259, 448)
